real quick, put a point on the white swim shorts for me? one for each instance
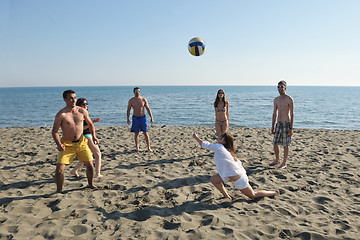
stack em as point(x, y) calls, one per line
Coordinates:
point(242, 182)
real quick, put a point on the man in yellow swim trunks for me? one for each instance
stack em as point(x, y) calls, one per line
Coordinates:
point(72, 143)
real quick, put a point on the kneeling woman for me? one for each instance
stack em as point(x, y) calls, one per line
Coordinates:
point(230, 168)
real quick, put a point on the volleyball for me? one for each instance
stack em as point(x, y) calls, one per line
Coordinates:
point(196, 46)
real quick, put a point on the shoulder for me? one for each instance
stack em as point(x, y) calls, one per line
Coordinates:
point(60, 113)
point(218, 146)
point(81, 110)
point(132, 100)
point(288, 99)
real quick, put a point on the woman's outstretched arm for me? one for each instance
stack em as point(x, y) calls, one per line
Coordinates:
point(196, 137)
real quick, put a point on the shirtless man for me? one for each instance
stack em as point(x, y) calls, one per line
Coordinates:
point(138, 104)
point(284, 112)
point(72, 143)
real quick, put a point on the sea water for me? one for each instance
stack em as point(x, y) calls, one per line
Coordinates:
point(250, 106)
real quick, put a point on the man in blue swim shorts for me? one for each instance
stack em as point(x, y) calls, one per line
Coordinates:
point(139, 104)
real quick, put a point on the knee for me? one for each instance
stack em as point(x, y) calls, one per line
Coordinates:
point(59, 171)
point(252, 196)
point(89, 165)
point(97, 153)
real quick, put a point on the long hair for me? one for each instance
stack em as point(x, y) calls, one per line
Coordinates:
point(80, 101)
point(217, 99)
point(229, 143)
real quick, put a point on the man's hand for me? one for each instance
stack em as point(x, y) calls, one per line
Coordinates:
point(272, 131)
point(61, 147)
point(128, 122)
point(96, 120)
point(290, 132)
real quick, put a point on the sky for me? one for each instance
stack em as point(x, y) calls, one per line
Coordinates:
point(144, 42)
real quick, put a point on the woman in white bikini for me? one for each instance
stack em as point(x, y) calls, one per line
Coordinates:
point(221, 106)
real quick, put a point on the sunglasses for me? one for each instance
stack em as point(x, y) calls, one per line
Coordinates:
point(84, 104)
point(281, 86)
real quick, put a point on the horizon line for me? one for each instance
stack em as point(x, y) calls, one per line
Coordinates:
point(178, 86)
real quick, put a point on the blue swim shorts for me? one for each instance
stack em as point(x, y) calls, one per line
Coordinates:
point(139, 124)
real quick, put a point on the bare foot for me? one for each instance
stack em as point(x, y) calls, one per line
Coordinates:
point(277, 192)
point(274, 163)
point(74, 173)
point(98, 175)
point(92, 186)
point(282, 166)
point(150, 150)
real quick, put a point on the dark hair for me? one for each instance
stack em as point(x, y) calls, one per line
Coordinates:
point(67, 92)
point(229, 143)
point(217, 99)
point(282, 82)
point(136, 89)
point(80, 101)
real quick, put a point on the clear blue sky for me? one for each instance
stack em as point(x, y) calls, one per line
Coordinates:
point(144, 42)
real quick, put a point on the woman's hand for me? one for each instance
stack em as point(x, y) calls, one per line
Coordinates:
point(195, 136)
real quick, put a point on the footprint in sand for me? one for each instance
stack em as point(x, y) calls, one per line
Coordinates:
point(207, 219)
point(53, 205)
point(79, 229)
point(170, 225)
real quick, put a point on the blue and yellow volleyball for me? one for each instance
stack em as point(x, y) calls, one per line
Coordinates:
point(196, 46)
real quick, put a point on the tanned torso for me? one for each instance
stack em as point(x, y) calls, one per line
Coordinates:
point(283, 105)
point(71, 123)
point(138, 104)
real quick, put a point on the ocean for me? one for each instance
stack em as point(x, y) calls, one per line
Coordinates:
point(250, 106)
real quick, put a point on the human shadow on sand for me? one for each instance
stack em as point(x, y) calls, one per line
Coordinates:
point(176, 183)
point(38, 163)
point(186, 207)
point(7, 200)
point(158, 162)
point(25, 184)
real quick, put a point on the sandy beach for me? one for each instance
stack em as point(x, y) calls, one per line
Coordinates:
point(167, 194)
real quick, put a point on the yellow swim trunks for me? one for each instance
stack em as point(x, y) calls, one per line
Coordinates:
point(77, 148)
